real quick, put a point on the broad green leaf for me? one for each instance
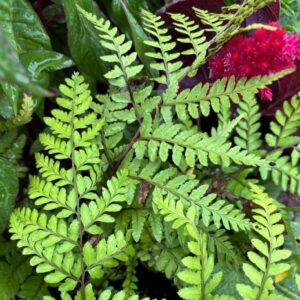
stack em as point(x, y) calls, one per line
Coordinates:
point(20, 31)
point(83, 39)
point(8, 191)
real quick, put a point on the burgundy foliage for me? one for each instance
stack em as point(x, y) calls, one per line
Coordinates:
point(281, 90)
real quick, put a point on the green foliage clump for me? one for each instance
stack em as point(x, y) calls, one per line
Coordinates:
point(133, 177)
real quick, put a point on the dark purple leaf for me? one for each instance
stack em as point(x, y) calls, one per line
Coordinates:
point(283, 90)
point(265, 15)
point(186, 6)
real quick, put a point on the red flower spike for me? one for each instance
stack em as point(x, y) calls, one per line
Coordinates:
point(264, 52)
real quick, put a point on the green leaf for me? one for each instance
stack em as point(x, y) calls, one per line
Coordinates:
point(8, 191)
point(21, 31)
point(83, 39)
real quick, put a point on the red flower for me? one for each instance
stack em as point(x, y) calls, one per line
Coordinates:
point(261, 53)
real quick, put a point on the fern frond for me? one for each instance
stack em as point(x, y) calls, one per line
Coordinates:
point(169, 185)
point(193, 36)
point(248, 135)
point(29, 226)
point(198, 267)
point(286, 125)
point(69, 175)
point(107, 253)
point(124, 68)
point(100, 209)
point(23, 117)
point(205, 98)
point(190, 146)
point(265, 260)
point(283, 172)
point(167, 62)
point(214, 21)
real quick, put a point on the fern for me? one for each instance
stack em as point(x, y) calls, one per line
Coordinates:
point(214, 21)
point(163, 46)
point(287, 123)
point(265, 261)
point(56, 248)
point(135, 177)
point(193, 36)
point(205, 98)
point(248, 135)
point(198, 267)
point(170, 185)
point(189, 146)
point(285, 171)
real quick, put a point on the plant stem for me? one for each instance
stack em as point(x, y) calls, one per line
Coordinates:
point(77, 198)
point(129, 146)
point(105, 148)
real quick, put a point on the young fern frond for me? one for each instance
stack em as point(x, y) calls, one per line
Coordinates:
point(167, 62)
point(265, 260)
point(123, 105)
point(23, 117)
point(193, 36)
point(204, 98)
point(286, 125)
point(214, 21)
point(248, 135)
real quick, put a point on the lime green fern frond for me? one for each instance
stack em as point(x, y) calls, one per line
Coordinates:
point(67, 186)
point(197, 274)
point(267, 254)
